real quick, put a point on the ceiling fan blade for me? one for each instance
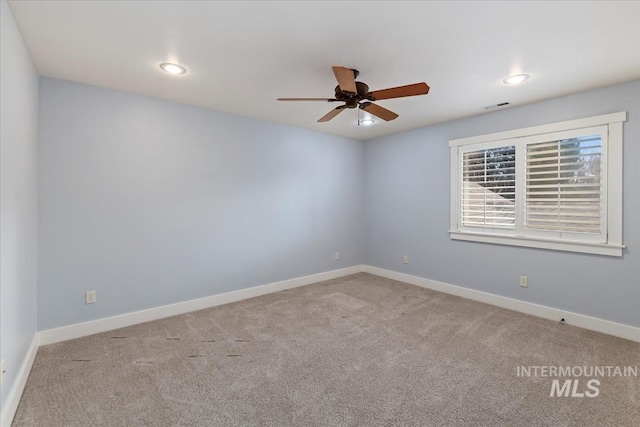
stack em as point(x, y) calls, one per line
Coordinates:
point(332, 114)
point(401, 91)
point(346, 79)
point(307, 99)
point(378, 111)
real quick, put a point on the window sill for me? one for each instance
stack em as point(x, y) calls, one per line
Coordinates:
point(568, 246)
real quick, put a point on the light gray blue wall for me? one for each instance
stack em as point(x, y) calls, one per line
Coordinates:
point(150, 202)
point(18, 198)
point(407, 212)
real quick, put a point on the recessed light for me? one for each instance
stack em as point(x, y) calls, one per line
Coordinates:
point(173, 68)
point(366, 122)
point(515, 79)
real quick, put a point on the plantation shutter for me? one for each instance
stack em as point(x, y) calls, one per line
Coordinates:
point(488, 190)
point(563, 186)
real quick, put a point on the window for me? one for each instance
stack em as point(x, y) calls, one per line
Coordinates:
point(556, 186)
point(489, 188)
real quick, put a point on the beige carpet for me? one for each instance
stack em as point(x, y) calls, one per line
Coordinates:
point(360, 350)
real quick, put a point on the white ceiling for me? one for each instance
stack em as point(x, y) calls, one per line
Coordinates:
point(241, 56)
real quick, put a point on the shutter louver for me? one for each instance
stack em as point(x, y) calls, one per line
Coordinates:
point(489, 188)
point(563, 185)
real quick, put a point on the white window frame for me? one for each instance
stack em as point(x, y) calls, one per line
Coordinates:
point(609, 243)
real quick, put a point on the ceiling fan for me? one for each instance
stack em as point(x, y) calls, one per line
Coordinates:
point(356, 95)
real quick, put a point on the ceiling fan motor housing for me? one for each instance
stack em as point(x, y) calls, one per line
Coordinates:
point(352, 99)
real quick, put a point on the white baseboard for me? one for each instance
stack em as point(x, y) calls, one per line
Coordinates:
point(11, 404)
point(592, 323)
point(78, 330)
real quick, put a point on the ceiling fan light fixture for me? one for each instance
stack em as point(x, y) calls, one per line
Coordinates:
point(366, 122)
point(515, 79)
point(173, 68)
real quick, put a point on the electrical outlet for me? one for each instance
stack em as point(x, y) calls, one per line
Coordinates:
point(524, 282)
point(2, 371)
point(90, 297)
point(405, 259)
point(336, 256)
